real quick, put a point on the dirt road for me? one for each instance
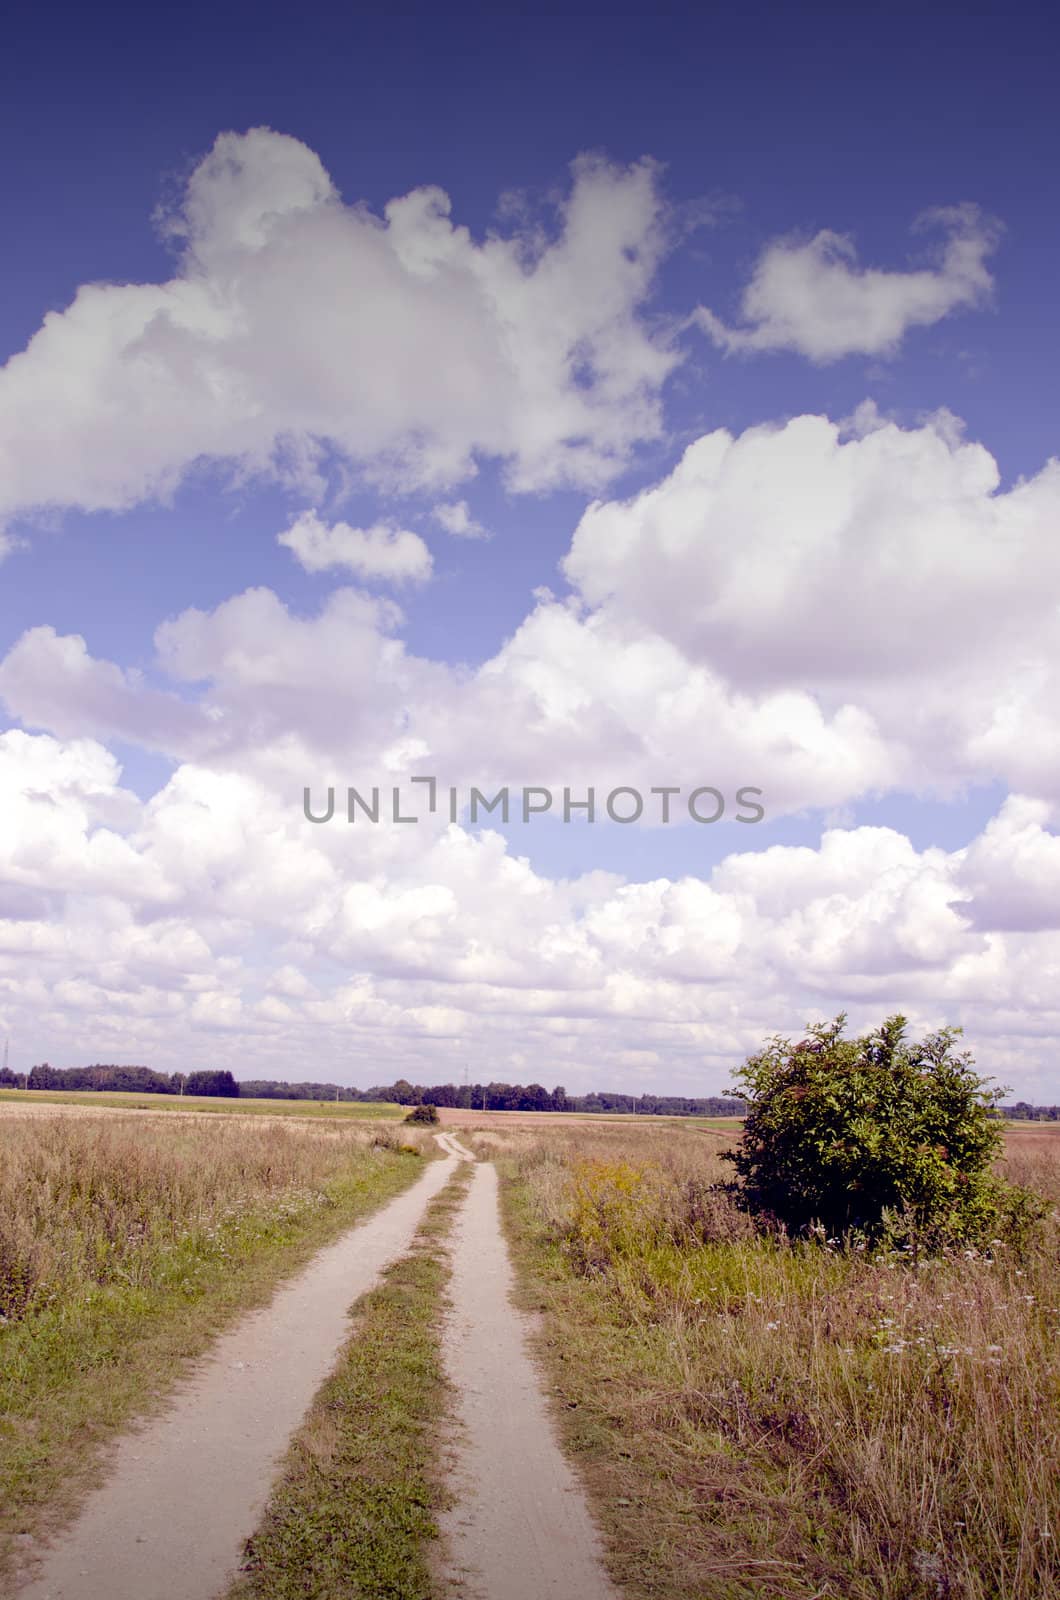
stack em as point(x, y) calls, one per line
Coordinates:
point(189, 1487)
point(521, 1527)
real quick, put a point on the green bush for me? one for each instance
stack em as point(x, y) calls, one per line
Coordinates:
point(876, 1137)
point(423, 1114)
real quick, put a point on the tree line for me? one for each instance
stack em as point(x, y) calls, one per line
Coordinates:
point(497, 1096)
point(473, 1096)
point(129, 1080)
point(1021, 1111)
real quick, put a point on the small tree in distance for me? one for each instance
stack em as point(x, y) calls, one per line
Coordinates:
point(423, 1114)
point(876, 1136)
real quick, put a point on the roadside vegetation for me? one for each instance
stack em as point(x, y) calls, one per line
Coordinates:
point(126, 1243)
point(794, 1413)
point(424, 1113)
point(354, 1514)
point(876, 1140)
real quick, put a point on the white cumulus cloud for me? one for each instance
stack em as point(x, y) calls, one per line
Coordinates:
point(215, 913)
point(815, 297)
point(455, 517)
point(298, 327)
point(382, 553)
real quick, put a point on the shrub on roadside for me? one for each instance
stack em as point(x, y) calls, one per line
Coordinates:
point(879, 1138)
point(423, 1113)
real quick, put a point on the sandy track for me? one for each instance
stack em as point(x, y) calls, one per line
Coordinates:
point(521, 1528)
point(452, 1146)
point(189, 1487)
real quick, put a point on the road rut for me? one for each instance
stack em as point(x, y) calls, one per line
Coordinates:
point(521, 1527)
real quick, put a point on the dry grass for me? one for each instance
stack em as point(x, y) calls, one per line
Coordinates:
point(758, 1419)
point(125, 1243)
point(96, 1202)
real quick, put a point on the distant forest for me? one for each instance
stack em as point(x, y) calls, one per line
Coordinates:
point(1028, 1113)
point(473, 1096)
point(505, 1097)
point(477, 1096)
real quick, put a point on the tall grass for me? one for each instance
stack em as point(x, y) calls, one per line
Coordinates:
point(93, 1202)
point(125, 1242)
point(792, 1419)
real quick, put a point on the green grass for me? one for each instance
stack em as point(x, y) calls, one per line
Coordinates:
point(371, 1110)
point(759, 1421)
point(354, 1514)
point(126, 1245)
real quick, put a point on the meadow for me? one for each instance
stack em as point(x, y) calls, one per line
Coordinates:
point(127, 1240)
point(754, 1418)
point(757, 1418)
point(357, 1110)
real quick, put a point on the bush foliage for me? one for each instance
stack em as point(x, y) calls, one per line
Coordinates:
point(878, 1137)
point(423, 1114)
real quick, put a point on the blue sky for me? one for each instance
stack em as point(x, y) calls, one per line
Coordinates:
point(771, 126)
